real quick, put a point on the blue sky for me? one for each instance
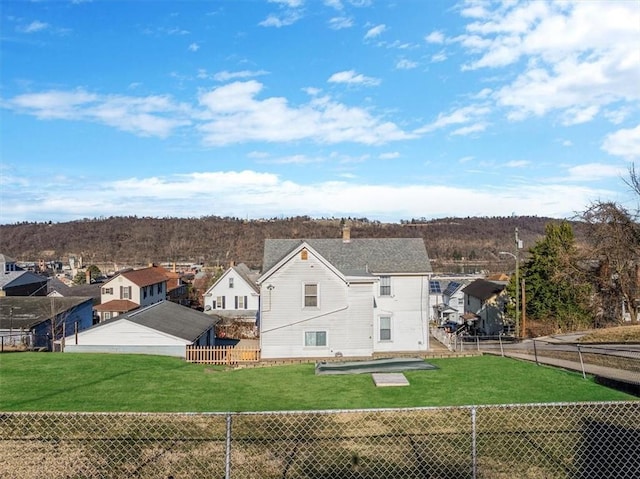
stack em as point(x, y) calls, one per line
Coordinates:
point(265, 108)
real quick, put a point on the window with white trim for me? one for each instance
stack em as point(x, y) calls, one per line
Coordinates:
point(311, 295)
point(231, 282)
point(219, 303)
point(125, 292)
point(315, 338)
point(385, 328)
point(241, 302)
point(385, 285)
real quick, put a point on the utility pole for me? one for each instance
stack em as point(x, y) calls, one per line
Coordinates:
point(516, 256)
point(519, 332)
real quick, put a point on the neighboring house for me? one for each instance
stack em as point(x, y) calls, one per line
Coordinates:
point(14, 281)
point(177, 291)
point(28, 320)
point(163, 328)
point(129, 290)
point(451, 308)
point(60, 290)
point(235, 294)
point(343, 297)
point(484, 304)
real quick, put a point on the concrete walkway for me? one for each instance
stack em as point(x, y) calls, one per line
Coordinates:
point(622, 375)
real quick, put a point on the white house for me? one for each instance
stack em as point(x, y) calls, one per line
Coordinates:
point(343, 297)
point(163, 328)
point(484, 305)
point(235, 294)
point(130, 290)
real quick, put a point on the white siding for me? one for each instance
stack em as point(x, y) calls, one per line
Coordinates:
point(240, 288)
point(124, 333)
point(344, 312)
point(407, 307)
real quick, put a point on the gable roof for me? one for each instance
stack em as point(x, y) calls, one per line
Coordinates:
point(12, 279)
point(117, 306)
point(144, 276)
point(170, 318)
point(361, 256)
point(27, 311)
point(483, 289)
point(243, 271)
point(452, 288)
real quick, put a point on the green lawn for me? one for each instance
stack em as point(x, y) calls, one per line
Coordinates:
point(99, 382)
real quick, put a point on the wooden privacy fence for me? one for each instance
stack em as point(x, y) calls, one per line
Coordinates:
point(227, 355)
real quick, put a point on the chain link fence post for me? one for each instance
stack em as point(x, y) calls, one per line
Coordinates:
point(227, 459)
point(474, 449)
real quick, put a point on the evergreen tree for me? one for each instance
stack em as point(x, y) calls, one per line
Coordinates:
point(554, 284)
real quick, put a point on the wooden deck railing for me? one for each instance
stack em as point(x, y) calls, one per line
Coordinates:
point(226, 355)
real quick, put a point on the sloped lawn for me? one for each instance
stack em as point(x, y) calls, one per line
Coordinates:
point(100, 382)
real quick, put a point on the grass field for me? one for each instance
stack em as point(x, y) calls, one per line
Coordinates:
point(619, 334)
point(98, 382)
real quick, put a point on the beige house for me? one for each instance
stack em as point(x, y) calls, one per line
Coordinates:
point(130, 290)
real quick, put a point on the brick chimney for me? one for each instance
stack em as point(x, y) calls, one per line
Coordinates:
point(88, 274)
point(346, 234)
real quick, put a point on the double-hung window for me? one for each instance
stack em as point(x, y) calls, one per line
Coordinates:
point(241, 302)
point(311, 295)
point(315, 338)
point(219, 303)
point(385, 328)
point(385, 285)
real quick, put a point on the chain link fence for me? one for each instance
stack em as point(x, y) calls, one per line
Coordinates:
point(580, 440)
point(617, 361)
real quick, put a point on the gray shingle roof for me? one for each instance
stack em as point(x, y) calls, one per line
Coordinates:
point(28, 311)
point(171, 318)
point(19, 278)
point(360, 256)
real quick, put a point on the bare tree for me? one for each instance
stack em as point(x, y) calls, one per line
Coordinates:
point(614, 249)
point(634, 179)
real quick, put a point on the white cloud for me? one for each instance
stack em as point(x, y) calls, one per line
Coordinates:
point(470, 129)
point(389, 156)
point(339, 23)
point(624, 143)
point(516, 164)
point(467, 114)
point(337, 4)
point(194, 47)
point(235, 115)
point(282, 21)
point(350, 77)
point(289, 3)
point(404, 64)
point(295, 160)
point(579, 57)
point(34, 27)
point(225, 76)
point(617, 115)
point(262, 195)
point(435, 37)
point(375, 31)
point(438, 57)
point(594, 172)
point(145, 116)
point(225, 115)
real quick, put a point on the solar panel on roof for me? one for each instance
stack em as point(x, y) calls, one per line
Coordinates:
point(434, 287)
point(452, 288)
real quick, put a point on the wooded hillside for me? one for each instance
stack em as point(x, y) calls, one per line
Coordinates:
point(217, 241)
